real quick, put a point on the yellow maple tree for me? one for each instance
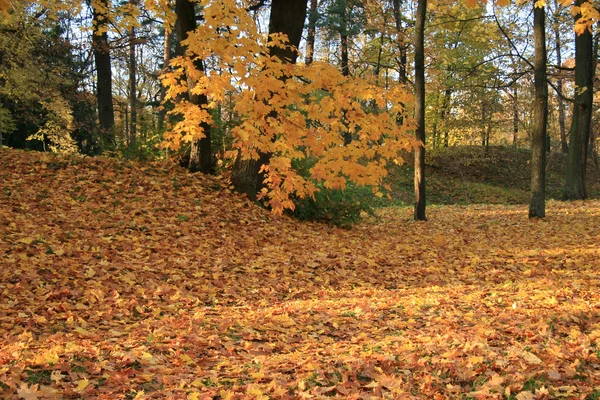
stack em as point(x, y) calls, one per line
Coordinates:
point(293, 112)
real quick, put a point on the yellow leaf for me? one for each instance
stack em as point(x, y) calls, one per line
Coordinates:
point(226, 394)
point(186, 359)
point(193, 396)
point(531, 358)
point(81, 385)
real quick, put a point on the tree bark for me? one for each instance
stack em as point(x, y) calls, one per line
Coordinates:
point(582, 116)
point(163, 90)
point(311, 32)
point(560, 85)
point(402, 61)
point(287, 16)
point(200, 153)
point(419, 210)
point(132, 85)
point(344, 47)
point(537, 205)
point(515, 96)
point(443, 114)
point(101, 50)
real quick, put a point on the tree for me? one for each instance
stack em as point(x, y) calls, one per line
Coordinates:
point(419, 210)
point(200, 153)
point(313, 16)
point(287, 18)
point(133, 106)
point(101, 50)
point(560, 81)
point(537, 205)
point(33, 55)
point(582, 110)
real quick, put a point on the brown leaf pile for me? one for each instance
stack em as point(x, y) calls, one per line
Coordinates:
point(124, 280)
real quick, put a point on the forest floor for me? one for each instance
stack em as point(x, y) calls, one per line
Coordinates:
point(121, 280)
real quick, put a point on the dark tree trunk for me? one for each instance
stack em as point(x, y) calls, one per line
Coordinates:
point(163, 90)
point(344, 47)
point(560, 85)
point(443, 114)
point(402, 48)
point(287, 16)
point(312, 31)
point(106, 114)
point(582, 116)
point(515, 96)
point(132, 85)
point(419, 211)
point(200, 153)
point(537, 205)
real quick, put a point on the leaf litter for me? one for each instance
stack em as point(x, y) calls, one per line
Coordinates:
point(127, 280)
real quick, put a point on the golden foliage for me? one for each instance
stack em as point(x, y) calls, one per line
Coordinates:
point(289, 111)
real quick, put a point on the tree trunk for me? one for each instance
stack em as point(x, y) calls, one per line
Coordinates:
point(515, 96)
point(106, 114)
point(560, 85)
point(582, 116)
point(402, 61)
point(200, 153)
point(443, 114)
point(537, 205)
point(312, 31)
point(287, 16)
point(344, 47)
point(132, 85)
point(163, 90)
point(419, 211)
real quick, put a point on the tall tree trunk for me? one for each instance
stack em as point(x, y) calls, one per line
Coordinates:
point(344, 47)
point(582, 116)
point(287, 16)
point(0, 124)
point(560, 84)
point(537, 205)
point(444, 113)
point(402, 61)
point(434, 125)
point(515, 96)
point(200, 153)
point(163, 90)
point(132, 84)
point(419, 211)
point(106, 114)
point(312, 31)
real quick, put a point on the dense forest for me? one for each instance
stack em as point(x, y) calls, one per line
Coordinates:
point(299, 199)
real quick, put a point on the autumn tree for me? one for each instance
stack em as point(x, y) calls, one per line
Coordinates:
point(287, 112)
point(33, 55)
point(560, 84)
point(537, 205)
point(101, 50)
point(582, 110)
point(200, 152)
point(286, 18)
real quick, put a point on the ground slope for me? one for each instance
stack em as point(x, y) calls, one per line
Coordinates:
point(498, 175)
point(124, 280)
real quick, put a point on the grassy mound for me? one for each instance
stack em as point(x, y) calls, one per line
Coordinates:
point(500, 175)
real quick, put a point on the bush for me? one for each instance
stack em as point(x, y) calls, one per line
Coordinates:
point(337, 207)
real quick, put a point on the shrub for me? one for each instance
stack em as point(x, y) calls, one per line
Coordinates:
point(337, 207)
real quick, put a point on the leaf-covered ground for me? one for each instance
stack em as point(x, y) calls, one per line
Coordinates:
point(124, 280)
